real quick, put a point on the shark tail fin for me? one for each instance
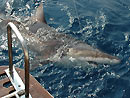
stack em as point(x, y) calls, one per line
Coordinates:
point(39, 14)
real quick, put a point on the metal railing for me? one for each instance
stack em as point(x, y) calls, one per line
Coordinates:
point(11, 27)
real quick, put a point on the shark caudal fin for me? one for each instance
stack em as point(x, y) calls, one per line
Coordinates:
point(39, 14)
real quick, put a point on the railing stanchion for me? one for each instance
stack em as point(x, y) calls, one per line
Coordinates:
point(10, 27)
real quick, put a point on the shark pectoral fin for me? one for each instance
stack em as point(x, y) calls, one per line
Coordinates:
point(36, 62)
point(39, 14)
point(92, 56)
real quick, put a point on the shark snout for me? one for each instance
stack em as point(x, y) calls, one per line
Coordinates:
point(92, 56)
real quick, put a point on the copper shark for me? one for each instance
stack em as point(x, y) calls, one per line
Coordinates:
point(49, 45)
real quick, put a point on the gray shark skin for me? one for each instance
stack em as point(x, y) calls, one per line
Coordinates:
point(49, 45)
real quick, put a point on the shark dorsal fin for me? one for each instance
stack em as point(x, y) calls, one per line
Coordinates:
point(39, 15)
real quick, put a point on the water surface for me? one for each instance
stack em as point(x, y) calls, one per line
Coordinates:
point(103, 24)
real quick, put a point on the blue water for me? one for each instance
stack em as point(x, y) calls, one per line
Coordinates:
point(104, 24)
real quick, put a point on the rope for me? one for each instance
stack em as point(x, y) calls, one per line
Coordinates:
point(75, 7)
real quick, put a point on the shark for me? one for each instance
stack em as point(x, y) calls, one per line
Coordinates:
point(48, 45)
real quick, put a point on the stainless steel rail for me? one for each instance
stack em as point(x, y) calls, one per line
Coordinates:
point(10, 27)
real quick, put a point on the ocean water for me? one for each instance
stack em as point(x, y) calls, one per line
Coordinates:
point(104, 24)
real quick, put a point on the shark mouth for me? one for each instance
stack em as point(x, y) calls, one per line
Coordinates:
point(96, 60)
